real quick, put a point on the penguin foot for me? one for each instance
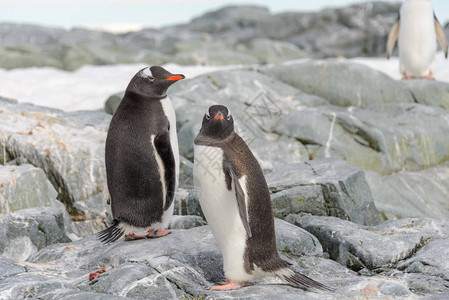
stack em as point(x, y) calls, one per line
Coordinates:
point(161, 233)
point(229, 286)
point(132, 237)
point(430, 76)
point(405, 76)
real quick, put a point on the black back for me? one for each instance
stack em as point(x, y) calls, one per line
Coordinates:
point(132, 171)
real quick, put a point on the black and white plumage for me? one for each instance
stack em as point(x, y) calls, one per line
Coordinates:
point(142, 156)
point(235, 200)
point(417, 29)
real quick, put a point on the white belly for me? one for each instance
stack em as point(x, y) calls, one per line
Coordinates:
point(417, 38)
point(220, 208)
point(170, 113)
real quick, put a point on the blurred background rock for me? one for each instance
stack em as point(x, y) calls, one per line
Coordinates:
point(230, 35)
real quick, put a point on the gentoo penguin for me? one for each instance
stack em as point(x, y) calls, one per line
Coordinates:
point(236, 202)
point(142, 158)
point(416, 29)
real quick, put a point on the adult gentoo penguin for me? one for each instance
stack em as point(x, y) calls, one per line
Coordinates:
point(236, 202)
point(417, 29)
point(142, 158)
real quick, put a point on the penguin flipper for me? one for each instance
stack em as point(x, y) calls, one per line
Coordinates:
point(392, 37)
point(441, 36)
point(301, 281)
point(163, 148)
point(111, 234)
point(239, 194)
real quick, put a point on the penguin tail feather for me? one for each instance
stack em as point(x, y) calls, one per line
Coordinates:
point(301, 281)
point(111, 234)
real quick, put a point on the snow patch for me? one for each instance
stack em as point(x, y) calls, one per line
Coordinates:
point(89, 87)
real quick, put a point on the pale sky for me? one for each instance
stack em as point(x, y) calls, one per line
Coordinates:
point(69, 13)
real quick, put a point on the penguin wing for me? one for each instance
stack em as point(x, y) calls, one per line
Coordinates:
point(163, 148)
point(441, 36)
point(231, 177)
point(392, 37)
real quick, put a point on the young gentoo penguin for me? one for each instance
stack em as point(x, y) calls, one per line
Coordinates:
point(417, 29)
point(236, 202)
point(142, 158)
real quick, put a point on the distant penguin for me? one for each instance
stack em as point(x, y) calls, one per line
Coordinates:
point(142, 158)
point(236, 202)
point(417, 29)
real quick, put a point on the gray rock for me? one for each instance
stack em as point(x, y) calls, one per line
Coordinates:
point(187, 263)
point(272, 52)
point(24, 57)
point(343, 84)
point(357, 30)
point(211, 53)
point(357, 246)
point(328, 186)
point(24, 186)
point(429, 92)
point(185, 173)
point(248, 34)
point(24, 34)
point(25, 232)
point(186, 222)
point(231, 24)
point(439, 296)
point(69, 147)
point(294, 241)
point(412, 194)
point(384, 138)
point(299, 199)
point(428, 260)
point(187, 203)
point(161, 40)
point(112, 102)
point(8, 268)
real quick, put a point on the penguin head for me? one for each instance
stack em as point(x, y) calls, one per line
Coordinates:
point(218, 122)
point(153, 82)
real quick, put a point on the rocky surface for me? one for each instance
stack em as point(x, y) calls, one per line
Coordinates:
point(24, 186)
point(231, 35)
point(68, 148)
point(27, 231)
point(186, 263)
point(412, 194)
point(326, 187)
point(343, 147)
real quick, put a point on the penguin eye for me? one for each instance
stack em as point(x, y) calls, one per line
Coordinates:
point(151, 78)
point(207, 117)
point(228, 117)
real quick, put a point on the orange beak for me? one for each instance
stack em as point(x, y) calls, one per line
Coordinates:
point(219, 116)
point(175, 77)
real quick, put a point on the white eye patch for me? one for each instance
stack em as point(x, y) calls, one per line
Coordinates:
point(229, 112)
point(207, 113)
point(146, 73)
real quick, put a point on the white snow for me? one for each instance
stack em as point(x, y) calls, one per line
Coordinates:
point(88, 87)
point(84, 89)
point(391, 66)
